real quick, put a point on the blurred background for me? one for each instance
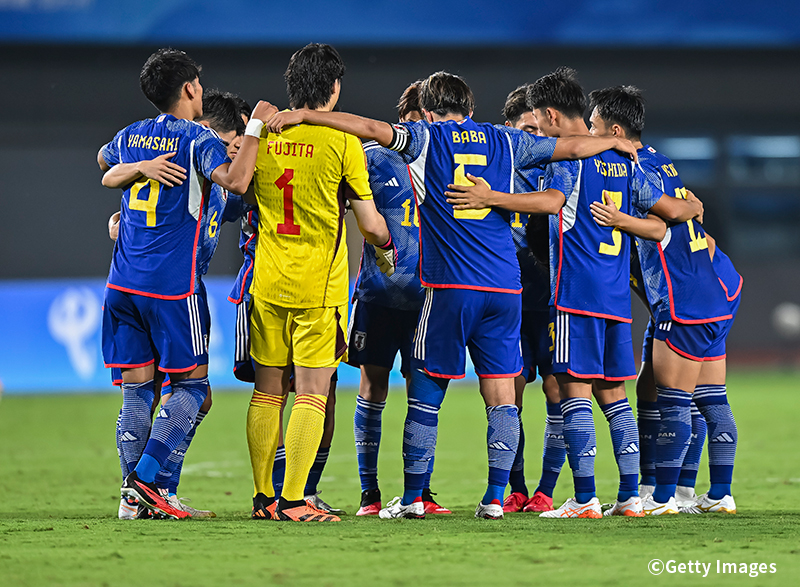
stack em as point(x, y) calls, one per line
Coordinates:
point(721, 80)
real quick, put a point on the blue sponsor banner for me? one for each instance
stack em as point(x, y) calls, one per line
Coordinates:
point(414, 22)
point(50, 337)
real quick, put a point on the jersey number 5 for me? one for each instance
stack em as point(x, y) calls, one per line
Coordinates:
point(283, 183)
point(148, 205)
point(616, 236)
point(460, 178)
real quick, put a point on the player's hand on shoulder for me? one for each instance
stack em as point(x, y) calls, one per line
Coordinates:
point(162, 170)
point(386, 256)
point(605, 214)
point(698, 202)
point(276, 123)
point(627, 148)
point(113, 226)
point(264, 111)
point(469, 197)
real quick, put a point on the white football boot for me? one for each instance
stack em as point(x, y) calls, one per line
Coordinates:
point(127, 508)
point(705, 505)
point(492, 511)
point(573, 509)
point(685, 496)
point(650, 507)
point(395, 509)
point(631, 507)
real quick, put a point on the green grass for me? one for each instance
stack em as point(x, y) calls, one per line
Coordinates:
point(59, 482)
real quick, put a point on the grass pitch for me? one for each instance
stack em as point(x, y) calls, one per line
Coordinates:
point(59, 481)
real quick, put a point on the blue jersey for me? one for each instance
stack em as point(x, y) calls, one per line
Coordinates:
point(534, 274)
point(468, 249)
point(679, 278)
point(729, 278)
point(158, 251)
point(210, 227)
point(239, 211)
point(390, 183)
point(589, 263)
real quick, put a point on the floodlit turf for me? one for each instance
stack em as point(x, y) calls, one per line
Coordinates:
point(59, 481)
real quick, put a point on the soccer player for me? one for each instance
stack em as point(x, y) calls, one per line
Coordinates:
point(690, 320)
point(299, 294)
point(386, 309)
point(589, 276)
point(531, 234)
point(154, 302)
point(468, 267)
point(221, 114)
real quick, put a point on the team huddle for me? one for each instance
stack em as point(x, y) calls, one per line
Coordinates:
point(518, 243)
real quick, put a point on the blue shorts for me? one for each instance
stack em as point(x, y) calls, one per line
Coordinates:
point(647, 343)
point(137, 329)
point(537, 344)
point(452, 320)
point(587, 347)
point(698, 342)
point(243, 367)
point(376, 333)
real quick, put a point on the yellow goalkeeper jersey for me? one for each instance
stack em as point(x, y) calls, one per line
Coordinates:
point(300, 177)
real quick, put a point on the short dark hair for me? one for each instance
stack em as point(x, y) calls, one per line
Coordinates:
point(222, 111)
point(244, 108)
point(311, 74)
point(164, 74)
point(444, 93)
point(516, 104)
point(559, 90)
point(622, 105)
point(409, 100)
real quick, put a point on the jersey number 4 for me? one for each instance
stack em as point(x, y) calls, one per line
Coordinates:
point(148, 205)
point(283, 183)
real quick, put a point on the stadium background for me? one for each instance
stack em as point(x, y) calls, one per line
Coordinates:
point(721, 84)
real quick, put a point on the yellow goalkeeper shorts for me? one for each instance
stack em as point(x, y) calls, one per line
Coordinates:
point(305, 337)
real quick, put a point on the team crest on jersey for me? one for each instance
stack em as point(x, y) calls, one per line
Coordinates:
point(359, 340)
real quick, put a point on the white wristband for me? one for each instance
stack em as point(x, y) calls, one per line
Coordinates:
point(254, 127)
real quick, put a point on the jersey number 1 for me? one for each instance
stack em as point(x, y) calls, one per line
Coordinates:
point(283, 183)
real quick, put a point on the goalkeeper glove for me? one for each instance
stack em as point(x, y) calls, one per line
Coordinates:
point(387, 257)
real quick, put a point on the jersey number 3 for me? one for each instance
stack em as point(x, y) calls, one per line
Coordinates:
point(616, 236)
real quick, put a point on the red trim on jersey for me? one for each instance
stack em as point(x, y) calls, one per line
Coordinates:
point(626, 378)
point(672, 314)
point(124, 366)
point(360, 265)
point(738, 291)
point(419, 218)
point(594, 314)
point(252, 261)
point(440, 376)
point(560, 252)
point(583, 376)
point(471, 287)
point(500, 375)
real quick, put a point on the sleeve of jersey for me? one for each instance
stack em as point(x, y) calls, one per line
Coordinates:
point(234, 208)
point(111, 150)
point(209, 153)
point(530, 150)
point(409, 139)
point(354, 162)
point(561, 176)
point(645, 192)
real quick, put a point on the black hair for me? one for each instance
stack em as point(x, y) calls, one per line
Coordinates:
point(409, 100)
point(311, 74)
point(622, 105)
point(164, 74)
point(516, 104)
point(244, 107)
point(559, 90)
point(444, 93)
point(222, 111)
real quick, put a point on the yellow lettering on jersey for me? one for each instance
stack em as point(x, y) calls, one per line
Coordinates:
point(551, 332)
point(634, 282)
point(697, 242)
point(149, 143)
point(148, 205)
point(163, 144)
point(460, 178)
point(611, 169)
point(213, 225)
point(408, 213)
point(481, 137)
point(670, 170)
point(464, 136)
point(473, 136)
point(616, 236)
point(517, 220)
point(456, 137)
